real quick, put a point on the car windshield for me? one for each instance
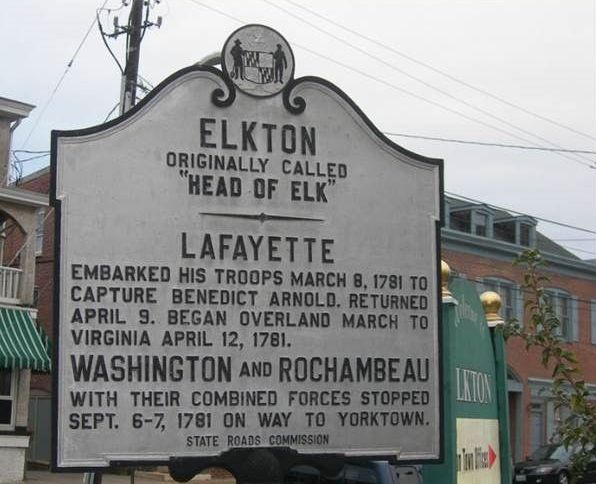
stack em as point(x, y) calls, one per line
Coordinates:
point(554, 452)
point(350, 474)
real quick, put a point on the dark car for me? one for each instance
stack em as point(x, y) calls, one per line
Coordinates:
point(372, 472)
point(550, 464)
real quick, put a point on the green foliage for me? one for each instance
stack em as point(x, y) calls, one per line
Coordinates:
point(578, 430)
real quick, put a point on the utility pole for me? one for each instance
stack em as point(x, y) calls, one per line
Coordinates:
point(133, 51)
point(135, 31)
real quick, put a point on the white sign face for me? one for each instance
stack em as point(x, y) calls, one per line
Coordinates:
point(477, 448)
point(244, 276)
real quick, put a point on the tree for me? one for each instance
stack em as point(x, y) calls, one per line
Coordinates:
point(578, 429)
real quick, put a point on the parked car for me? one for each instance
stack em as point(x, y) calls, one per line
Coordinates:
point(550, 464)
point(373, 472)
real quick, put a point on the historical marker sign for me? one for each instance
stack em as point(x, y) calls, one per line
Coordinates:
point(244, 269)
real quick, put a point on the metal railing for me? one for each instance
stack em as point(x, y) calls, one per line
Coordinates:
point(10, 279)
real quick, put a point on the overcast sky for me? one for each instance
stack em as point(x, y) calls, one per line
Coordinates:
point(538, 55)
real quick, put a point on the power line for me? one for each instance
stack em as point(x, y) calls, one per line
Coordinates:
point(105, 42)
point(498, 145)
point(144, 79)
point(443, 73)
point(388, 84)
point(112, 111)
point(468, 199)
point(579, 250)
point(584, 239)
point(68, 66)
point(404, 135)
point(36, 157)
point(29, 238)
point(29, 151)
point(512, 283)
point(423, 82)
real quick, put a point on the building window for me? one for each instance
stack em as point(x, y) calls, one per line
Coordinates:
point(537, 426)
point(593, 320)
point(524, 235)
point(561, 303)
point(505, 231)
point(481, 224)
point(461, 221)
point(39, 231)
point(509, 297)
point(7, 398)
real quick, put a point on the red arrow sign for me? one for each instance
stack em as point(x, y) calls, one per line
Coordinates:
point(492, 457)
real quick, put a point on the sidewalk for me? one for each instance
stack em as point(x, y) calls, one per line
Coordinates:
point(47, 477)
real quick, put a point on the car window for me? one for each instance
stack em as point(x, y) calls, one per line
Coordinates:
point(359, 475)
point(408, 475)
point(350, 474)
point(560, 453)
point(548, 452)
point(303, 475)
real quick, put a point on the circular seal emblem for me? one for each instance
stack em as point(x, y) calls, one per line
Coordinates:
point(258, 60)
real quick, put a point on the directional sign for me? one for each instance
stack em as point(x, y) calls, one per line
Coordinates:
point(244, 261)
point(477, 461)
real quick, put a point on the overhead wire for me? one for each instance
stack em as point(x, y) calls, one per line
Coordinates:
point(542, 219)
point(487, 279)
point(584, 239)
point(16, 167)
point(36, 157)
point(441, 72)
point(116, 106)
point(386, 83)
point(429, 85)
point(144, 79)
point(482, 143)
point(59, 83)
point(413, 136)
point(579, 250)
point(30, 237)
point(105, 42)
point(29, 151)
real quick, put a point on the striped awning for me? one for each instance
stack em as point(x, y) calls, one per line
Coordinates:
point(22, 343)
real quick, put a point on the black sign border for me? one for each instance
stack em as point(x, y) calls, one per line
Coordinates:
point(294, 105)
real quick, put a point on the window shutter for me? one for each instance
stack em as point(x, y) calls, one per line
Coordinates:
point(574, 320)
point(593, 320)
point(518, 295)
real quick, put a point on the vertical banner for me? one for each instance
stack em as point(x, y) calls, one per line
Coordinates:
point(474, 408)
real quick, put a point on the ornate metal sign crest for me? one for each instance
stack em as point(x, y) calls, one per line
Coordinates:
point(258, 60)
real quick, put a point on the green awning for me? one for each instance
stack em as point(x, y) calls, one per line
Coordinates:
point(22, 343)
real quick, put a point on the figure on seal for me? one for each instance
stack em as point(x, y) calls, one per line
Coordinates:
point(237, 54)
point(279, 64)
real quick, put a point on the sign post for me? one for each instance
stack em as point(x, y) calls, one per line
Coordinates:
point(244, 262)
point(492, 303)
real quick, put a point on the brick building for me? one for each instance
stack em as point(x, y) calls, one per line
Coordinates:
point(41, 384)
point(479, 243)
